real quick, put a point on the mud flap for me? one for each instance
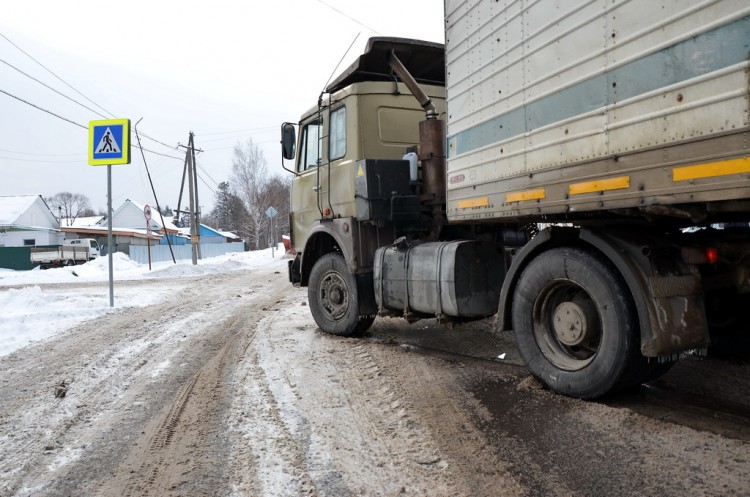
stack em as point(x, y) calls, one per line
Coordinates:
point(366, 293)
point(678, 319)
point(295, 276)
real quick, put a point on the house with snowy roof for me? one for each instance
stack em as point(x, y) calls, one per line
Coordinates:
point(27, 221)
point(132, 214)
point(129, 228)
point(211, 235)
point(82, 222)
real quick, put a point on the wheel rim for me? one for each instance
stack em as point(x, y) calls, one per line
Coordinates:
point(567, 325)
point(333, 295)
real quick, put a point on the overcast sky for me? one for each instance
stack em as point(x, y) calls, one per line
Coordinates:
point(226, 70)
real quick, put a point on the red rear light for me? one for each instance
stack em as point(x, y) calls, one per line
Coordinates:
point(695, 255)
point(712, 254)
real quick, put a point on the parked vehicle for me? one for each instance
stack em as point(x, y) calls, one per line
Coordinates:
point(582, 172)
point(72, 252)
point(91, 243)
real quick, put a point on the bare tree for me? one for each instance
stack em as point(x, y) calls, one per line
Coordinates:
point(277, 196)
point(248, 180)
point(70, 205)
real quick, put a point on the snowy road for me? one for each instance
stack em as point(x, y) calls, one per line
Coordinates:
point(223, 387)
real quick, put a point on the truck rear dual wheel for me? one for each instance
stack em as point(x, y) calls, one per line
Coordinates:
point(576, 327)
point(333, 297)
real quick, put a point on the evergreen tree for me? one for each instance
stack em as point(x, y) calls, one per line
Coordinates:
point(228, 213)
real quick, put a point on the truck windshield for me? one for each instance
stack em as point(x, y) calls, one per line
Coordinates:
point(309, 156)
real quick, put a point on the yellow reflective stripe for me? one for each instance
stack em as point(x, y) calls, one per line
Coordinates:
point(600, 185)
point(473, 202)
point(527, 195)
point(723, 168)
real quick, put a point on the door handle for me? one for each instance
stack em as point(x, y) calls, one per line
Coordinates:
point(316, 188)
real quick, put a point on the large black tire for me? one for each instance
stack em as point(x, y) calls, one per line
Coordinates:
point(333, 297)
point(575, 324)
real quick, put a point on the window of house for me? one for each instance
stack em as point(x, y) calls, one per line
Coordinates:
point(29, 242)
point(337, 140)
point(309, 156)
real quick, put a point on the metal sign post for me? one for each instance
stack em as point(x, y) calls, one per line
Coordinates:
point(109, 143)
point(147, 215)
point(271, 213)
point(109, 237)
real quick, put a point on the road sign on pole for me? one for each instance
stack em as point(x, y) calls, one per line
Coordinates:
point(109, 142)
point(147, 215)
point(271, 213)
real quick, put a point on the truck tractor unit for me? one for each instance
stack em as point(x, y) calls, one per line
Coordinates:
point(578, 171)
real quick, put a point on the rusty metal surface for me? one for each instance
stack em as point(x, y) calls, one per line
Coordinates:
point(432, 155)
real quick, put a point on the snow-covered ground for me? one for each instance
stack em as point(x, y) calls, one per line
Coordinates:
point(38, 304)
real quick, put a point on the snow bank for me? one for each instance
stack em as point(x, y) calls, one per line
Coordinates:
point(29, 313)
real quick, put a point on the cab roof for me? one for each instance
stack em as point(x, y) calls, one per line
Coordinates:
point(425, 61)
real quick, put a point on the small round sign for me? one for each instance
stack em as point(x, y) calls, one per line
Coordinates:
point(147, 212)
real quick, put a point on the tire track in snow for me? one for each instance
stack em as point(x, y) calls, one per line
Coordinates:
point(183, 440)
point(264, 426)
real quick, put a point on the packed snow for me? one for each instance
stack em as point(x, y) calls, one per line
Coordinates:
point(38, 304)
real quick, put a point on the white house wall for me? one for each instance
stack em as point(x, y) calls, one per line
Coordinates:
point(16, 238)
point(38, 215)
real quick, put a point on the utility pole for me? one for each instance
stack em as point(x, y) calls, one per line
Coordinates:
point(196, 210)
point(194, 215)
point(182, 187)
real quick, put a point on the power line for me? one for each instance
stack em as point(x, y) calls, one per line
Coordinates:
point(43, 109)
point(73, 122)
point(55, 75)
point(163, 155)
point(204, 172)
point(70, 86)
point(54, 90)
point(207, 185)
point(349, 17)
point(157, 141)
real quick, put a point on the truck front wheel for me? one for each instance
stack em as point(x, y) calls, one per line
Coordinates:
point(333, 297)
point(575, 324)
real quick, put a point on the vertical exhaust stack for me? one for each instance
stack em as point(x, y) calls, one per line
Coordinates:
point(431, 146)
point(432, 156)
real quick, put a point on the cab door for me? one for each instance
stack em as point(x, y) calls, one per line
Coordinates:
point(324, 185)
point(306, 205)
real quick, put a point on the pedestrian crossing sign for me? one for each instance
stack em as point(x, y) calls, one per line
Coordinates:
point(109, 142)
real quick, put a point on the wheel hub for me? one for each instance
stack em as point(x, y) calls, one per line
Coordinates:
point(333, 295)
point(571, 322)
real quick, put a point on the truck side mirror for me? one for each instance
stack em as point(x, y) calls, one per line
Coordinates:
point(288, 141)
